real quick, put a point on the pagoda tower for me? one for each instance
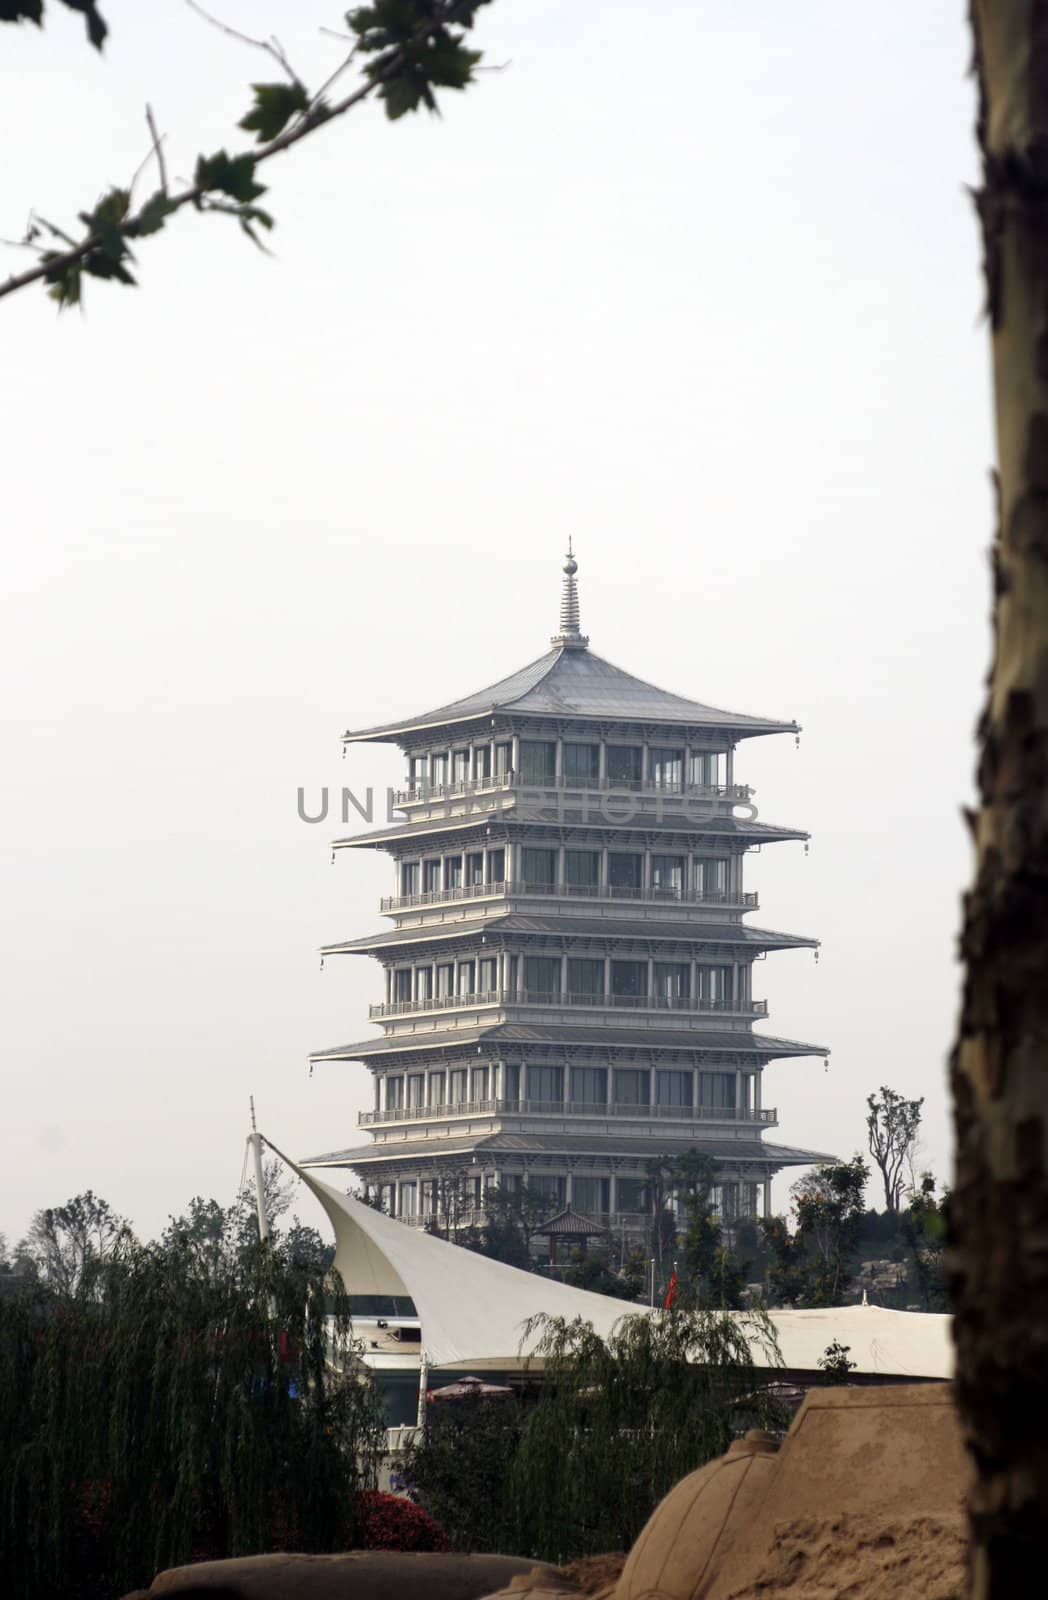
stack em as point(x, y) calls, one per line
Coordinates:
point(568, 977)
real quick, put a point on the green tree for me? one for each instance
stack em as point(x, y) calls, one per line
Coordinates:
point(459, 1470)
point(830, 1208)
point(892, 1129)
point(835, 1362)
point(923, 1227)
point(512, 1219)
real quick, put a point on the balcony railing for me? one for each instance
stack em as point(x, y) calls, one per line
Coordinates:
point(567, 891)
point(596, 1002)
point(571, 1108)
point(455, 789)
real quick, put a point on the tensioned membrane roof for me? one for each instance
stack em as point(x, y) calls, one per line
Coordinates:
point(641, 1037)
point(576, 683)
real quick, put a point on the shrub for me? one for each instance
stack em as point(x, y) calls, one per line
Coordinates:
point(386, 1522)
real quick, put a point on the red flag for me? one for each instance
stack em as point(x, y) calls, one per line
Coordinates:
point(671, 1291)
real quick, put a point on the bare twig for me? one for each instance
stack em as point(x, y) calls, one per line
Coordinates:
point(272, 47)
point(158, 146)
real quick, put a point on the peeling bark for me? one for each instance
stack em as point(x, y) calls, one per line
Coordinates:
point(998, 1256)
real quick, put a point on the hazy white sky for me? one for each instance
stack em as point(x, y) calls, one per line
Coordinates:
point(696, 283)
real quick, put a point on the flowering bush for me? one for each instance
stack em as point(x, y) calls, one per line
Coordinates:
point(390, 1523)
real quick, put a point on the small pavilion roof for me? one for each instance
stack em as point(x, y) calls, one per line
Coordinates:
point(571, 1224)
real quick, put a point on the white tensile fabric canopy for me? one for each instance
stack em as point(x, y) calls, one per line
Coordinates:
point(473, 1310)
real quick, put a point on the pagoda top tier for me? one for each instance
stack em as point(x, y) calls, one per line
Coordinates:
point(570, 681)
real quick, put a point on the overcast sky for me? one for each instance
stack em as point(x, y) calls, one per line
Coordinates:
point(695, 282)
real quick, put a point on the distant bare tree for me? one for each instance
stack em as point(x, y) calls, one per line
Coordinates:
point(893, 1128)
point(64, 1242)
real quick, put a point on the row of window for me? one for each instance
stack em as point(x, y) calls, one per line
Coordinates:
point(590, 1195)
point(581, 976)
point(540, 867)
point(580, 764)
point(587, 1086)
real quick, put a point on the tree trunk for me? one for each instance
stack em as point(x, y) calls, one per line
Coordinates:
point(998, 1260)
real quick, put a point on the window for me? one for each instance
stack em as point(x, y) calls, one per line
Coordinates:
point(624, 764)
point(445, 979)
point(631, 1195)
point(452, 872)
point(590, 1195)
point(394, 1094)
point(424, 983)
point(409, 1200)
point(631, 1087)
point(667, 876)
point(539, 867)
point(409, 875)
point(713, 878)
point(478, 1084)
point(585, 977)
point(402, 981)
point(582, 868)
point(589, 1086)
point(580, 763)
point(438, 769)
point(542, 974)
point(459, 1087)
point(714, 983)
point(624, 873)
point(706, 768)
point(416, 1084)
point(488, 975)
point(431, 877)
point(538, 761)
point(511, 1084)
point(482, 761)
point(459, 766)
point(673, 1088)
point(503, 759)
point(475, 868)
point(551, 1189)
point(546, 1084)
point(417, 771)
point(717, 1091)
point(629, 979)
point(666, 768)
point(436, 1088)
point(673, 980)
point(496, 866)
point(465, 977)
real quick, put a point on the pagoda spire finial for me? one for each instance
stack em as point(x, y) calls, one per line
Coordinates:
point(570, 637)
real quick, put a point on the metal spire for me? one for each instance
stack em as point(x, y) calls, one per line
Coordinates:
point(569, 637)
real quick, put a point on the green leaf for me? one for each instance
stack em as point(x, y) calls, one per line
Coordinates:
point(275, 105)
point(232, 175)
point(96, 25)
point(106, 221)
point(152, 216)
point(22, 11)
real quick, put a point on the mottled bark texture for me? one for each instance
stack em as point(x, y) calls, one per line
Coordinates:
point(998, 1260)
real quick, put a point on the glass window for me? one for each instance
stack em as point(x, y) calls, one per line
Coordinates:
point(624, 763)
point(673, 1088)
point(475, 868)
point(438, 769)
point(488, 975)
point(624, 872)
point(424, 983)
point(538, 761)
point(631, 1087)
point(582, 868)
point(548, 1186)
point(417, 771)
point(402, 983)
point(496, 866)
point(590, 1195)
point(666, 768)
point(511, 1084)
point(673, 980)
point(717, 1090)
point(580, 763)
point(589, 1086)
point(478, 1084)
point(539, 867)
point(713, 878)
point(452, 872)
point(631, 1195)
point(394, 1094)
point(667, 875)
point(503, 758)
point(465, 977)
point(445, 979)
point(459, 1087)
point(546, 1084)
point(416, 1083)
point(585, 977)
point(629, 979)
point(542, 974)
point(706, 768)
point(714, 983)
point(409, 1199)
point(431, 877)
point(482, 761)
point(409, 876)
point(459, 766)
point(436, 1088)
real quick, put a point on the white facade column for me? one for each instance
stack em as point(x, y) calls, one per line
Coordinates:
point(740, 1092)
point(645, 874)
point(604, 868)
point(609, 1098)
point(569, 1189)
point(602, 763)
point(766, 1197)
point(651, 977)
point(560, 867)
point(514, 755)
point(558, 760)
point(563, 974)
point(652, 1088)
point(566, 1097)
point(607, 976)
point(757, 1089)
point(695, 1090)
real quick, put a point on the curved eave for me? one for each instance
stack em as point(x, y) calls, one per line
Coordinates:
point(714, 828)
point(761, 1047)
point(756, 939)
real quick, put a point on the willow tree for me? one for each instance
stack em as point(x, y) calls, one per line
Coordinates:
point(999, 1070)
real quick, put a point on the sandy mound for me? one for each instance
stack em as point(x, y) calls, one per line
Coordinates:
point(859, 1558)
